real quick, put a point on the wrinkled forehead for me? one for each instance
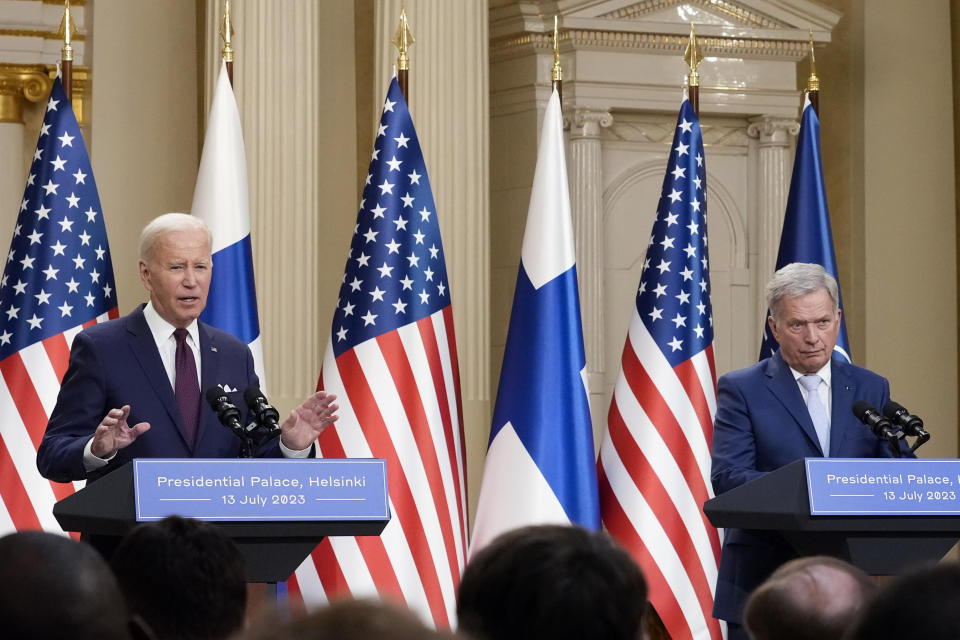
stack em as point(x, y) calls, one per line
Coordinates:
point(182, 245)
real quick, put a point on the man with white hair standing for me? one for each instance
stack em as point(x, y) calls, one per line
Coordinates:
point(134, 385)
point(795, 404)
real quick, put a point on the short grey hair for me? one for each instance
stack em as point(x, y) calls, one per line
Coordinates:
point(799, 279)
point(165, 224)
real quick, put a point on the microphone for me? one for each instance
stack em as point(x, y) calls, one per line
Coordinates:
point(264, 412)
point(881, 427)
point(228, 414)
point(911, 424)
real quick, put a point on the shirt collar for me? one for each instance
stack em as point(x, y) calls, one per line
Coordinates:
point(163, 330)
point(824, 373)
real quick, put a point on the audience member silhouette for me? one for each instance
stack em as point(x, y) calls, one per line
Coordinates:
point(184, 577)
point(552, 582)
point(922, 604)
point(812, 598)
point(54, 588)
point(351, 620)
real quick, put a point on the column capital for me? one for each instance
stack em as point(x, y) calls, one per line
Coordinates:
point(587, 122)
point(773, 131)
point(19, 82)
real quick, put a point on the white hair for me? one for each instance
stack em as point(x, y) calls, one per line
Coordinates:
point(799, 279)
point(165, 224)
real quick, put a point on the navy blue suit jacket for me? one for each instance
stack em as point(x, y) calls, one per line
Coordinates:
point(762, 423)
point(117, 363)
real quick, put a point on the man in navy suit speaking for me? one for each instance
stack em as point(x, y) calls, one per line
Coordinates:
point(797, 403)
point(134, 385)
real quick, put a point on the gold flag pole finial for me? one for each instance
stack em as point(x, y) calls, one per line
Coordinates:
point(557, 71)
point(693, 58)
point(226, 33)
point(813, 82)
point(403, 39)
point(67, 29)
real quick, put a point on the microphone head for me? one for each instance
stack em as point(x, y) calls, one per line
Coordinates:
point(892, 409)
point(253, 396)
point(215, 395)
point(861, 408)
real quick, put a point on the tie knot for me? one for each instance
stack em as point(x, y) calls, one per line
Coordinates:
point(810, 383)
point(180, 335)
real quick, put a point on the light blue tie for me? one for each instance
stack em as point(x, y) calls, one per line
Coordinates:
point(818, 413)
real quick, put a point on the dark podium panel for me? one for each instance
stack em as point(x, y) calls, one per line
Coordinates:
point(271, 550)
point(880, 545)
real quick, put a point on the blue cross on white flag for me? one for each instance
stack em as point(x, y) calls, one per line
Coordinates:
point(540, 465)
point(222, 200)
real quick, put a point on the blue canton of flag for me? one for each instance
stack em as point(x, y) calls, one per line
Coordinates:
point(58, 273)
point(806, 235)
point(674, 295)
point(396, 273)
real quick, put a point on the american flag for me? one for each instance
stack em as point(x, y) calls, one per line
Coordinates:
point(654, 467)
point(392, 362)
point(57, 280)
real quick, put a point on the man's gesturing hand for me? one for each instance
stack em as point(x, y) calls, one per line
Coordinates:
point(306, 422)
point(113, 433)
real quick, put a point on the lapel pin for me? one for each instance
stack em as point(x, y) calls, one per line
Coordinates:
point(214, 349)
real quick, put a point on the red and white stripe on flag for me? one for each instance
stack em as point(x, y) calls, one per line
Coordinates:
point(399, 398)
point(29, 384)
point(654, 476)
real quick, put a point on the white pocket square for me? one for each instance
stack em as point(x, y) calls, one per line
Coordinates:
point(227, 388)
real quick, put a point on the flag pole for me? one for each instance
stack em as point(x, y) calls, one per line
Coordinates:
point(557, 74)
point(403, 39)
point(67, 27)
point(813, 82)
point(693, 58)
point(226, 34)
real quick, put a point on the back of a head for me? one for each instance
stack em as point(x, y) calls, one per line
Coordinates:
point(184, 577)
point(552, 582)
point(922, 604)
point(351, 620)
point(54, 587)
point(812, 598)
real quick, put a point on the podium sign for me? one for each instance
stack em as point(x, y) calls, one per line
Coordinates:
point(866, 486)
point(269, 490)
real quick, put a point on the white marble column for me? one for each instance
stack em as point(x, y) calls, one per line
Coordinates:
point(448, 85)
point(586, 205)
point(774, 162)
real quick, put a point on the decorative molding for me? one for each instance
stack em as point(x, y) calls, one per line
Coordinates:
point(587, 122)
point(730, 10)
point(645, 41)
point(771, 130)
point(660, 130)
point(19, 82)
point(39, 33)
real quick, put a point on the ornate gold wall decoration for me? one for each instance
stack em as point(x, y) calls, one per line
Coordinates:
point(19, 82)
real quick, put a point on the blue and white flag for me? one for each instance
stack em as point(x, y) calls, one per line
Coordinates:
point(806, 235)
point(222, 200)
point(540, 465)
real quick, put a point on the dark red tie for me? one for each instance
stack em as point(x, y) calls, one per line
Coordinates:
point(187, 388)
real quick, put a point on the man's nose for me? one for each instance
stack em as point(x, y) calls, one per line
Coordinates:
point(810, 334)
